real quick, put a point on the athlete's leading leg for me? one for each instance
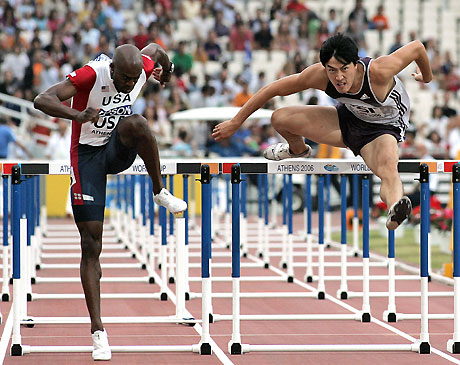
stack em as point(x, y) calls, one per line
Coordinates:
point(135, 133)
point(318, 123)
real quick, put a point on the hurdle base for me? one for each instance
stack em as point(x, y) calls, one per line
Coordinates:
point(283, 265)
point(16, 350)
point(144, 267)
point(341, 294)
point(453, 347)
point(211, 318)
point(245, 254)
point(390, 316)
point(5, 297)
point(163, 296)
point(171, 280)
point(321, 295)
point(266, 265)
point(29, 323)
point(365, 317)
point(205, 349)
point(235, 348)
point(33, 281)
point(424, 348)
point(309, 279)
point(151, 280)
point(290, 279)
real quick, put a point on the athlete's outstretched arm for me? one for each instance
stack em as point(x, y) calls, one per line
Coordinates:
point(385, 67)
point(50, 102)
point(313, 76)
point(158, 55)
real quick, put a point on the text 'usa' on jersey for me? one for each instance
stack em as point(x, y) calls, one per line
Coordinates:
point(95, 89)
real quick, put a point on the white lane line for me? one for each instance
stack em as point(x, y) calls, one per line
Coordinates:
point(6, 335)
point(215, 348)
point(354, 310)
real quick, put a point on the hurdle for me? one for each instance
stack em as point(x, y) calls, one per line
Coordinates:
point(422, 346)
point(19, 227)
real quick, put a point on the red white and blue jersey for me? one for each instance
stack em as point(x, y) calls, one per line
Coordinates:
point(394, 110)
point(95, 89)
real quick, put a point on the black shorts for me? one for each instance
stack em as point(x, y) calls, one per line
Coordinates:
point(357, 133)
point(90, 166)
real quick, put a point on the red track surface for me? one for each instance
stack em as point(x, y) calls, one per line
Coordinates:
point(252, 332)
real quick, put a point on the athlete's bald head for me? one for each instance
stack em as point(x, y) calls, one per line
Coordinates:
point(128, 56)
point(126, 67)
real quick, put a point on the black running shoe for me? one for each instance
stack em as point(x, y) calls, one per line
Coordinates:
point(398, 213)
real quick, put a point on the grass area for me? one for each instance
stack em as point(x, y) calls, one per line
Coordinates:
point(406, 249)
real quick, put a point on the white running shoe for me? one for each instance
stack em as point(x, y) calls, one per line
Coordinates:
point(280, 151)
point(170, 202)
point(101, 348)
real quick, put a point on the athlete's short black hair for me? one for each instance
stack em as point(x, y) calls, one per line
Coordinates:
point(340, 46)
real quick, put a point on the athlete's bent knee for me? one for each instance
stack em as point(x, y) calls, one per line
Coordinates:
point(279, 118)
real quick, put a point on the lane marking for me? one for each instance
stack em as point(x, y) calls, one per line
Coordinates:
point(6, 335)
point(354, 310)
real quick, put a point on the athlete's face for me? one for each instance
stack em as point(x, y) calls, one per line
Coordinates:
point(124, 78)
point(340, 75)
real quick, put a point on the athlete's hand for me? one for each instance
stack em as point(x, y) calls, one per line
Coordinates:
point(224, 130)
point(88, 115)
point(417, 75)
point(160, 76)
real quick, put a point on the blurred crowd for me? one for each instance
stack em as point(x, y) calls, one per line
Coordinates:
point(42, 41)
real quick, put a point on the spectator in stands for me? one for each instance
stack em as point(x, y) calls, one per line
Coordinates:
point(240, 37)
point(176, 101)
point(147, 16)
point(437, 146)
point(276, 10)
point(211, 46)
point(322, 35)
point(90, 34)
point(447, 110)
point(54, 21)
point(49, 75)
point(200, 54)
point(340, 72)
point(227, 7)
point(181, 145)
point(202, 23)
point(40, 18)
point(109, 30)
point(9, 84)
point(115, 12)
point(359, 16)
point(263, 38)
point(182, 59)
point(410, 148)
point(296, 6)
point(6, 137)
point(142, 36)
point(229, 147)
point(244, 95)
point(256, 23)
point(284, 41)
point(438, 122)
point(332, 23)
point(58, 147)
point(219, 26)
point(16, 62)
point(190, 9)
point(397, 43)
point(379, 20)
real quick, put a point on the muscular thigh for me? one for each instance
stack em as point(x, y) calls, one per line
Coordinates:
point(381, 155)
point(318, 123)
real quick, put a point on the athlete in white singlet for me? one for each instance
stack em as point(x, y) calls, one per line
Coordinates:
point(370, 119)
